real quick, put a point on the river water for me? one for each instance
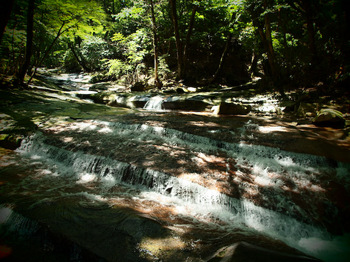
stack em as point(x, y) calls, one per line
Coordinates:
point(97, 183)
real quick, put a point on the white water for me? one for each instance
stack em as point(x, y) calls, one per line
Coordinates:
point(155, 103)
point(196, 200)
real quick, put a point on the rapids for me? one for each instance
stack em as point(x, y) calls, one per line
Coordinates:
point(93, 183)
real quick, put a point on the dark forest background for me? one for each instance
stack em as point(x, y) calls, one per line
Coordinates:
point(281, 44)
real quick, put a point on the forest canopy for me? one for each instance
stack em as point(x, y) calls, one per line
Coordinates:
point(283, 43)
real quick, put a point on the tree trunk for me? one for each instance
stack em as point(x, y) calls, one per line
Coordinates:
point(80, 59)
point(189, 31)
point(29, 44)
point(306, 5)
point(223, 56)
point(269, 45)
point(5, 13)
point(155, 46)
point(253, 64)
point(287, 56)
point(179, 47)
point(59, 33)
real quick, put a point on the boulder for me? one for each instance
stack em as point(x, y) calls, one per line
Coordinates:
point(329, 117)
point(232, 109)
point(195, 103)
point(179, 90)
point(138, 87)
point(10, 141)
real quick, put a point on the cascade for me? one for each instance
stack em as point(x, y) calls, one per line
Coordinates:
point(155, 103)
point(83, 167)
point(104, 182)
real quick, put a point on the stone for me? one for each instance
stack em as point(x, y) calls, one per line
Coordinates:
point(232, 109)
point(100, 87)
point(185, 104)
point(329, 117)
point(179, 90)
point(10, 141)
point(138, 87)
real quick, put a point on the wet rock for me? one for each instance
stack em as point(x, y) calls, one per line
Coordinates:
point(103, 97)
point(84, 94)
point(120, 99)
point(10, 141)
point(195, 103)
point(138, 87)
point(179, 90)
point(100, 87)
point(11, 133)
point(329, 117)
point(232, 109)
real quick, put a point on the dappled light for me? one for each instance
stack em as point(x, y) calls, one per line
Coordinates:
point(195, 131)
point(209, 173)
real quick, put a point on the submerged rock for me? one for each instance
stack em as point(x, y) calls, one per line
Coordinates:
point(329, 117)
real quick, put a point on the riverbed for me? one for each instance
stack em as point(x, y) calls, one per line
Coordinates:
point(90, 182)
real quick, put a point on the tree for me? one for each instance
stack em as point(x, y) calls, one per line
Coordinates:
point(5, 12)
point(260, 13)
point(72, 18)
point(29, 45)
point(155, 45)
point(182, 46)
point(283, 41)
point(179, 46)
point(223, 55)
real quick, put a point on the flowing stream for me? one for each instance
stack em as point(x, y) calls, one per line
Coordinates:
point(126, 189)
point(155, 103)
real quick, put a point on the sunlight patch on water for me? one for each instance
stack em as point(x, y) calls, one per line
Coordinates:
point(271, 129)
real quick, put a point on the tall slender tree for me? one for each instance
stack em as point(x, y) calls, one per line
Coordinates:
point(157, 82)
point(5, 12)
point(224, 53)
point(29, 43)
point(182, 46)
point(179, 46)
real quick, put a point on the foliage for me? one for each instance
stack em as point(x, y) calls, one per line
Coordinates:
point(117, 68)
point(286, 42)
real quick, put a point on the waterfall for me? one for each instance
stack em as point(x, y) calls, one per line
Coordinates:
point(155, 103)
point(82, 167)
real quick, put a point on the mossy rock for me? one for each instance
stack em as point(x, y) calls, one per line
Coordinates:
point(10, 141)
point(330, 117)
